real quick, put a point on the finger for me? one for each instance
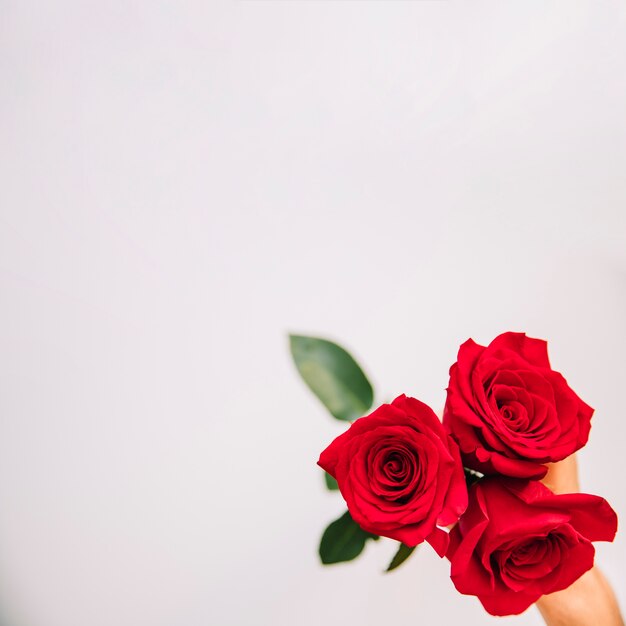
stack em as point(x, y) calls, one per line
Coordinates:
point(562, 477)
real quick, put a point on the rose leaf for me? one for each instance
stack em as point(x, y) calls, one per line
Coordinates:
point(333, 376)
point(343, 540)
point(331, 483)
point(403, 553)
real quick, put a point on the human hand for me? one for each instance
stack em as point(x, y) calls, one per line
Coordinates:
point(589, 601)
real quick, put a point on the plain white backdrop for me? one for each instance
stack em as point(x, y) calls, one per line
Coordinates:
point(183, 183)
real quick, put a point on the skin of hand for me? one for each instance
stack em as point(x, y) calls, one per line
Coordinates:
point(589, 601)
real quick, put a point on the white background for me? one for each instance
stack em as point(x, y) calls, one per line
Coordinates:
point(182, 183)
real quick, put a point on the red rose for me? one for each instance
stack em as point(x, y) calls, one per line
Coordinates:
point(400, 473)
point(509, 411)
point(517, 541)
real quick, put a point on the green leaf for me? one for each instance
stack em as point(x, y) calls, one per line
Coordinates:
point(331, 483)
point(333, 376)
point(403, 553)
point(343, 540)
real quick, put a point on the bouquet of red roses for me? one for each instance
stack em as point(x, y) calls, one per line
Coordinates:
point(470, 486)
